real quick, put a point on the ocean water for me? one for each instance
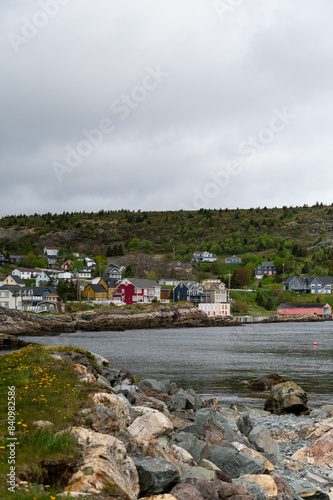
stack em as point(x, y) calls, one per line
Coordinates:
point(220, 361)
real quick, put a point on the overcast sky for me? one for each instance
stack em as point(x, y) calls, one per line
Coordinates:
point(165, 104)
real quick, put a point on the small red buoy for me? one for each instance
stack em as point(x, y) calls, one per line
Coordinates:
point(315, 344)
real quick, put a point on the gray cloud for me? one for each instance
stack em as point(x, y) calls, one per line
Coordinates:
point(225, 78)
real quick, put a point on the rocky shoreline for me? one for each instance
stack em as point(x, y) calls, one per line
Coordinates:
point(151, 439)
point(185, 315)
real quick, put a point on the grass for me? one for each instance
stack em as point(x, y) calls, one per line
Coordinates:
point(45, 389)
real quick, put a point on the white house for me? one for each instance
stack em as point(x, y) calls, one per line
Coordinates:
point(217, 310)
point(51, 251)
point(27, 273)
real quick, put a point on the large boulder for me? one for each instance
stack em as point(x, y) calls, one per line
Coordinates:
point(308, 491)
point(84, 373)
point(193, 488)
point(245, 424)
point(320, 453)
point(105, 466)
point(287, 398)
point(150, 426)
point(262, 440)
point(156, 475)
point(186, 400)
point(234, 463)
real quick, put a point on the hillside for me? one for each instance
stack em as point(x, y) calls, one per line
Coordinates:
point(282, 234)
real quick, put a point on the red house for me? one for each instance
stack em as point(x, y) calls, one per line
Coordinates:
point(65, 265)
point(304, 309)
point(132, 291)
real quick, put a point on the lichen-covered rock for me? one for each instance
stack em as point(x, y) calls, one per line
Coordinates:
point(287, 397)
point(84, 373)
point(115, 403)
point(105, 467)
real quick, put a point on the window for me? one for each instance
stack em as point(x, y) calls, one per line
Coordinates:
point(6, 295)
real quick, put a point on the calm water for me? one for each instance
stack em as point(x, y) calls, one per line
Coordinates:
point(220, 361)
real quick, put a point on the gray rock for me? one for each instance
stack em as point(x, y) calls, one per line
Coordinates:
point(202, 473)
point(235, 491)
point(198, 430)
point(245, 424)
point(156, 475)
point(262, 439)
point(322, 412)
point(234, 463)
point(157, 385)
point(111, 374)
point(196, 447)
point(308, 490)
point(102, 419)
point(206, 416)
point(186, 400)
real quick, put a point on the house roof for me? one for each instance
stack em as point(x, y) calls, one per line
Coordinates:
point(267, 263)
point(311, 305)
point(188, 284)
point(17, 279)
point(11, 288)
point(52, 248)
point(143, 283)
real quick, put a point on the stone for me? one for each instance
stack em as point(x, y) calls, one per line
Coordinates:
point(210, 403)
point(265, 383)
point(100, 361)
point(263, 481)
point(234, 463)
point(261, 438)
point(206, 416)
point(84, 373)
point(320, 453)
point(283, 491)
point(196, 447)
point(202, 473)
point(305, 489)
point(256, 492)
point(160, 497)
point(198, 430)
point(245, 424)
point(185, 400)
point(269, 467)
point(157, 385)
point(111, 374)
point(117, 404)
point(43, 423)
point(105, 466)
point(233, 492)
point(183, 455)
point(102, 419)
point(156, 475)
point(323, 412)
point(192, 488)
point(103, 382)
point(287, 397)
point(150, 426)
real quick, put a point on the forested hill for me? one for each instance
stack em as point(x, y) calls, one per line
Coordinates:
point(265, 232)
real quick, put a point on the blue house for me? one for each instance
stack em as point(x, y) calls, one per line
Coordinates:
point(310, 284)
point(181, 291)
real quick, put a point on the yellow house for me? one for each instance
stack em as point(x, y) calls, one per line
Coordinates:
point(13, 280)
point(95, 292)
point(107, 285)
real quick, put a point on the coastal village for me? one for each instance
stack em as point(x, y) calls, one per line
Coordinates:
point(69, 280)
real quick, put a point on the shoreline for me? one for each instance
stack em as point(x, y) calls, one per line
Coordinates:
point(143, 438)
point(185, 315)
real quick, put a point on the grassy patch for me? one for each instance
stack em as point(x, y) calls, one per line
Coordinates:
point(45, 389)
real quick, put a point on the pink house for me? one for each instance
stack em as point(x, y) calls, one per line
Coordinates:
point(304, 309)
